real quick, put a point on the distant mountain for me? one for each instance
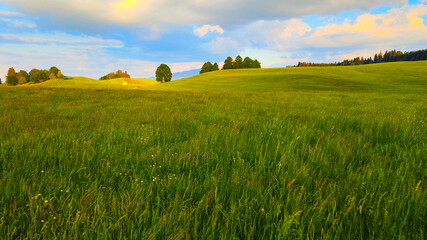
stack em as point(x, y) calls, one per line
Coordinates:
point(179, 75)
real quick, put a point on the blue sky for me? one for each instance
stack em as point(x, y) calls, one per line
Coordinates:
point(94, 37)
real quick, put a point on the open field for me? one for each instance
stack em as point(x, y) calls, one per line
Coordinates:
point(89, 83)
point(295, 153)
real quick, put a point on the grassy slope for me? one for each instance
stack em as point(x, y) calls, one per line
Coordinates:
point(89, 83)
point(247, 154)
point(389, 78)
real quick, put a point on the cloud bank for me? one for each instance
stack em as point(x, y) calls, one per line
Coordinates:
point(85, 14)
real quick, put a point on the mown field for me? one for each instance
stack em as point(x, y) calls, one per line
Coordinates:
point(296, 153)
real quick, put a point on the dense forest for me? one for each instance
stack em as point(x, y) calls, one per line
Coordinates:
point(388, 56)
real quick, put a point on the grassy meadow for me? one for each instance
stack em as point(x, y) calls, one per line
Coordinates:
point(289, 153)
point(89, 83)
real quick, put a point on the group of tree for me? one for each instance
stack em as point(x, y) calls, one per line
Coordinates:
point(209, 67)
point(34, 76)
point(163, 73)
point(388, 56)
point(240, 63)
point(113, 75)
point(231, 63)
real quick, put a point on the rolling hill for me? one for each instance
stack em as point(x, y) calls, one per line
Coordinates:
point(286, 153)
point(89, 83)
point(387, 77)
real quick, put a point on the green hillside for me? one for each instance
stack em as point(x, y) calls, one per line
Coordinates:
point(89, 83)
point(388, 77)
point(290, 153)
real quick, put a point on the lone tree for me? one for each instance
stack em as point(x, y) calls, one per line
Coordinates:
point(11, 78)
point(163, 73)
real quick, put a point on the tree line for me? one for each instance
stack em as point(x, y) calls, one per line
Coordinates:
point(34, 76)
point(230, 63)
point(118, 74)
point(388, 56)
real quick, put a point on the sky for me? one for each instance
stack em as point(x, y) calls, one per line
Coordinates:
point(94, 37)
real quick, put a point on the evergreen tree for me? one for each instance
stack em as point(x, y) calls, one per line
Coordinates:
point(11, 77)
point(380, 57)
point(388, 56)
point(228, 63)
point(163, 73)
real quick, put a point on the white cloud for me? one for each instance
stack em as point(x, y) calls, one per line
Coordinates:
point(281, 43)
point(276, 34)
point(62, 38)
point(10, 14)
point(185, 66)
point(202, 31)
point(138, 13)
point(398, 28)
point(18, 24)
point(223, 45)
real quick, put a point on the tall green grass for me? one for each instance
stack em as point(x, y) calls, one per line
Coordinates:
point(207, 158)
